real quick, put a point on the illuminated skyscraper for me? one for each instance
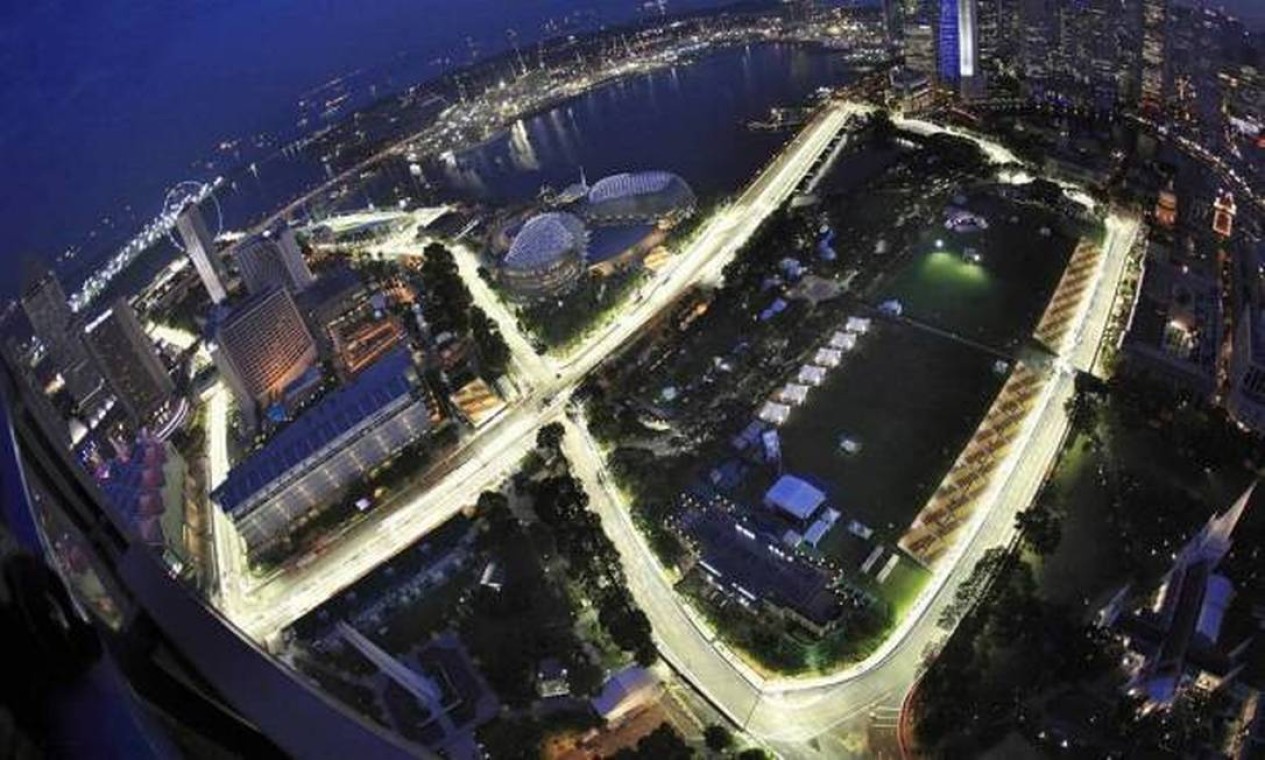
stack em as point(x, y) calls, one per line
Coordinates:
point(920, 47)
point(129, 362)
point(1154, 44)
point(199, 244)
point(272, 260)
point(261, 348)
point(958, 39)
point(61, 332)
point(893, 21)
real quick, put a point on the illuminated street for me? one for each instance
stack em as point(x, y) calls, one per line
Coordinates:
point(264, 608)
point(652, 380)
point(783, 713)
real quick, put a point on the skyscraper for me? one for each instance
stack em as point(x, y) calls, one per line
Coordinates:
point(261, 348)
point(920, 46)
point(130, 362)
point(272, 260)
point(958, 52)
point(893, 22)
point(46, 416)
point(1154, 43)
point(57, 327)
point(200, 246)
point(292, 256)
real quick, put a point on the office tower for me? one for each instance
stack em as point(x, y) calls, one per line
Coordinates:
point(130, 362)
point(272, 261)
point(1005, 35)
point(32, 397)
point(292, 256)
point(261, 348)
point(920, 47)
point(958, 52)
point(1154, 44)
point(57, 327)
point(893, 22)
point(200, 246)
point(1036, 41)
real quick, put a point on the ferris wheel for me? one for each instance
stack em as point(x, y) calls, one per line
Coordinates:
point(187, 193)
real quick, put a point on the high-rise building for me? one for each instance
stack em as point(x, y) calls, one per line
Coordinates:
point(292, 256)
point(920, 46)
point(947, 53)
point(53, 424)
point(345, 435)
point(1154, 44)
point(61, 332)
point(130, 362)
point(261, 348)
point(1036, 40)
point(200, 246)
point(273, 260)
point(958, 41)
point(893, 22)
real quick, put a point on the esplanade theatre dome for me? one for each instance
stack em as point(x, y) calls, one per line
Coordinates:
point(547, 255)
point(639, 198)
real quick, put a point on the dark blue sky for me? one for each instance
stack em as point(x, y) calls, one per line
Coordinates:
point(103, 105)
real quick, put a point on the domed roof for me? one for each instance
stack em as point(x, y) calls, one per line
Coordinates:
point(629, 184)
point(546, 238)
point(642, 196)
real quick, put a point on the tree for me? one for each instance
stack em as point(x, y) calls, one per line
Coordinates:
point(449, 301)
point(492, 501)
point(1082, 412)
point(1040, 529)
point(664, 743)
point(884, 129)
point(718, 738)
point(628, 626)
point(549, 439)
point(752, 753)
point(494, 353)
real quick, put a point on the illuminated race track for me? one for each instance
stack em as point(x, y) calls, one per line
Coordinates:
point(783, 713)
point(787, 712)
point(262, 608)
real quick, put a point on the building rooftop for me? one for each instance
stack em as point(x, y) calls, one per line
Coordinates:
point(654, 196)
point(751, 562)
point(608, 242)
point(376, 388)
point(630, 686)
point(630, 184)
point(794, 496)
point(546, 238)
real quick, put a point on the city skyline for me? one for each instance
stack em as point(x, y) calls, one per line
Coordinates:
point(771, 380)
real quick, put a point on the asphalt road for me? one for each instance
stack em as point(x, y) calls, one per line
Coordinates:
point(263, 607)
point(784, 713)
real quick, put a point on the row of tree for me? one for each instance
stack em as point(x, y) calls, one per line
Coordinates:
point(562, 504)
point(449, 306)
